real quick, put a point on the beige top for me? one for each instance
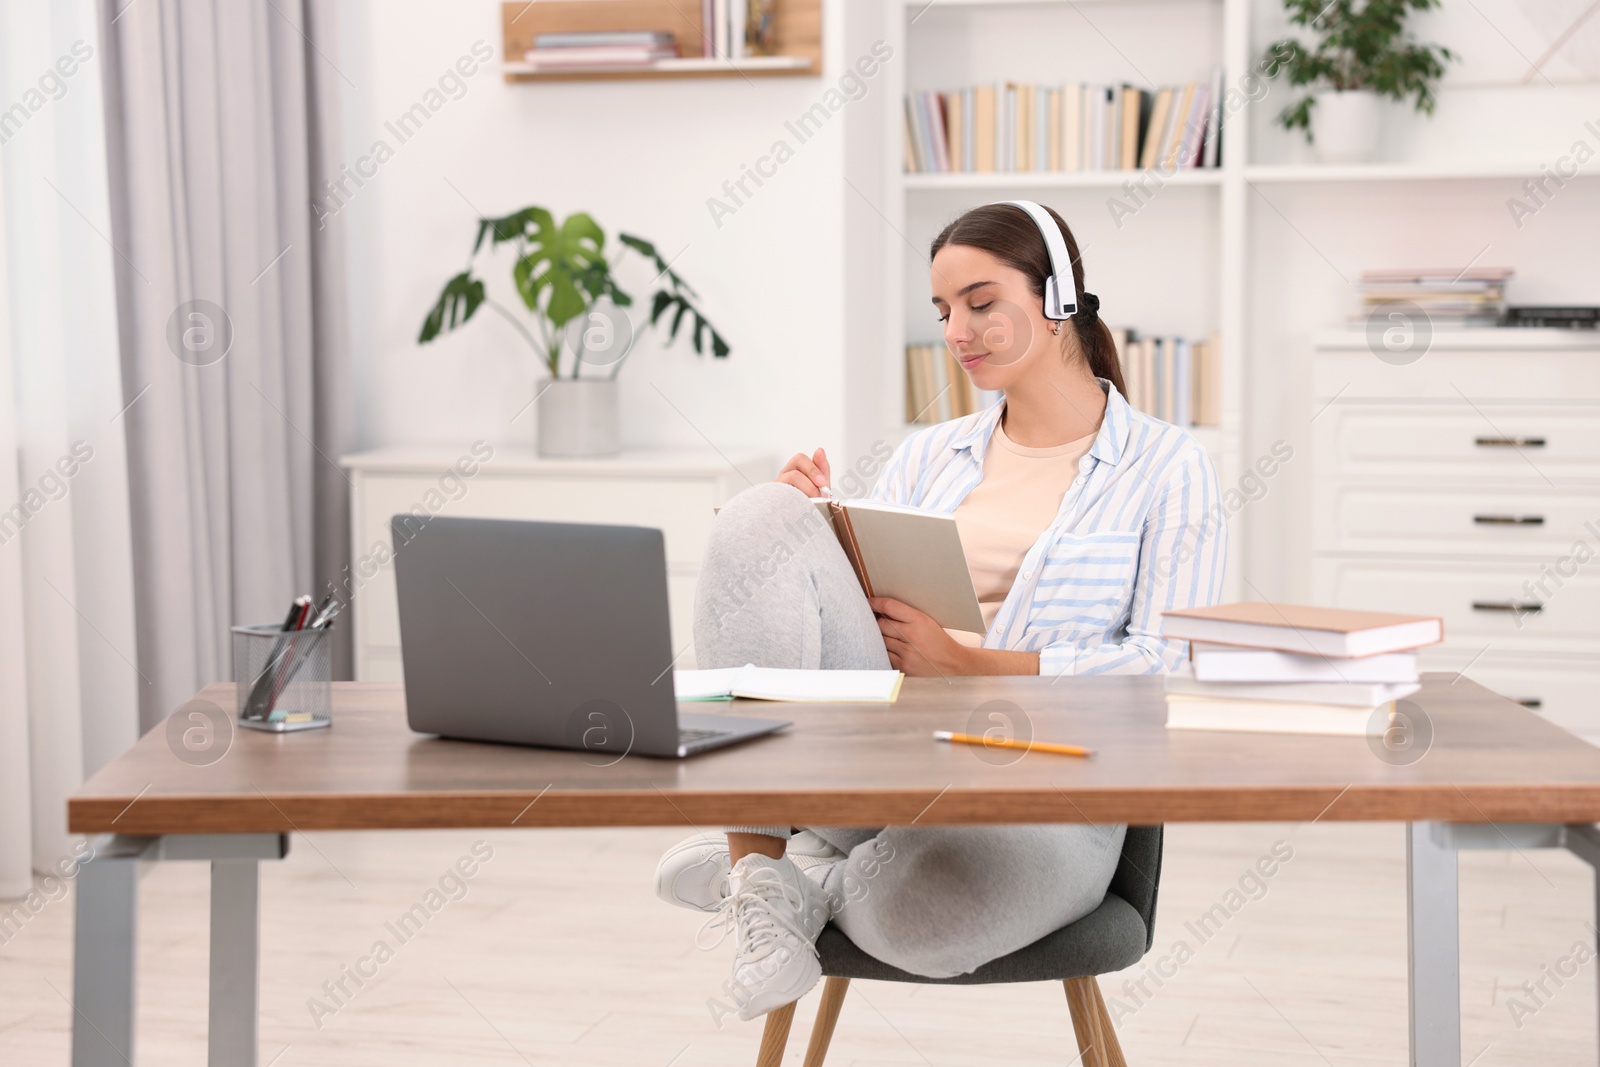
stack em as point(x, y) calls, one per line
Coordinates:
point(1004, 514)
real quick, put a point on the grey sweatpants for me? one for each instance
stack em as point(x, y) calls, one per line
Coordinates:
point(777, 591)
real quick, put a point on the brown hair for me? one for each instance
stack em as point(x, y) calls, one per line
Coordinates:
point(1008, 234)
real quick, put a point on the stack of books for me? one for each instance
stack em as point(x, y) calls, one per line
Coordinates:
point(1173, 378)
point(600, 49)
point(1019, 126)
point(1449, 298)
point(1281, 668)
point(937, 388)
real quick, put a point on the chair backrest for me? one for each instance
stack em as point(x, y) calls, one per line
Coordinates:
point(1138, 875)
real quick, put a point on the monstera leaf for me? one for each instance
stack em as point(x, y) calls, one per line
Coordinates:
point(567, 261)
point(461, 297)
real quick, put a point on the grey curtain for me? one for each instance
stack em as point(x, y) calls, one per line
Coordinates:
point(221, 121)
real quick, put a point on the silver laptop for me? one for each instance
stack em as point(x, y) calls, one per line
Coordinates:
point(545, 633)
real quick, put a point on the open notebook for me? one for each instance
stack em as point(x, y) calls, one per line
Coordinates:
point(778, 683)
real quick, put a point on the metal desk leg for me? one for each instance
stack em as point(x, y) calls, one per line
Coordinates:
point(104, 937)
point(235, 934)
point(1433, 935)
point(235, 962)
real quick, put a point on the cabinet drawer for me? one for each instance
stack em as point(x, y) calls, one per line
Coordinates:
point(1567, 692)
point(1536, 522)
point(1518, 444)
point(1567, 620)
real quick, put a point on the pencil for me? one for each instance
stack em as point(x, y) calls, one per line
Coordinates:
point(1025, 746)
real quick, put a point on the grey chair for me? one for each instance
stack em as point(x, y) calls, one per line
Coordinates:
point(1115, 935)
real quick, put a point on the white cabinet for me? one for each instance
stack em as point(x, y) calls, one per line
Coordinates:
point(673, 490)
point(1466, 485)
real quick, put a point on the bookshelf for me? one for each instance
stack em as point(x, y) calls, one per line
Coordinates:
point(798, 32)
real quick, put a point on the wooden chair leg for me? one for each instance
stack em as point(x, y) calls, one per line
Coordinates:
point(833, 992)
point(775, 1038)
point(1082, 999)
point(1108, 1034)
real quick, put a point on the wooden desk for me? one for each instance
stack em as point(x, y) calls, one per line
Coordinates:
point(1491, 762)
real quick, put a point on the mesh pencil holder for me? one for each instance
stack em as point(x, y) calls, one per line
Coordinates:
point(283, 678)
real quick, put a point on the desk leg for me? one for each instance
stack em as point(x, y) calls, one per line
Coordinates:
point(1433, 934)
point(103, 944)
point(235, 962)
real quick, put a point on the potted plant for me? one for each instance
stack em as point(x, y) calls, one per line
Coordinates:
point(1362, 56)
point(579, 312)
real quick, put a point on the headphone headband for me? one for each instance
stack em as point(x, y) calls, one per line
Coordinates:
point(1060, 295)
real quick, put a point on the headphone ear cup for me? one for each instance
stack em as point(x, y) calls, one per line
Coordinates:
point(1053, 301)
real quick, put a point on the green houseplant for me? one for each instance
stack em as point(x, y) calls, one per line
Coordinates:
point(1362, 55)
point(579, 315)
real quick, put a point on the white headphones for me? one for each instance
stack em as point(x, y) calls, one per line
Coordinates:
point(1060, 296)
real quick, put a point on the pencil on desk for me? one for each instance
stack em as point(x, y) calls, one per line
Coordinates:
point(1025, 746)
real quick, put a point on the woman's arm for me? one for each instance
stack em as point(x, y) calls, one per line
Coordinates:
point(1181, 556)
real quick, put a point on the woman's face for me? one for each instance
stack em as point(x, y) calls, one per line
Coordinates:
point(993, 322)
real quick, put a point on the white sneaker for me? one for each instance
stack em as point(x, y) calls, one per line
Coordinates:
point(776, 913)
point(694, 872)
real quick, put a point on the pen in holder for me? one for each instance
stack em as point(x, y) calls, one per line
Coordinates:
point(283, 677)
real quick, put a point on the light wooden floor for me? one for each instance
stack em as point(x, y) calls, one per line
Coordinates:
point(558, 954)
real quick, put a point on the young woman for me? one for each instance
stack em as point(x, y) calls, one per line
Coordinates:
point(1081, 519)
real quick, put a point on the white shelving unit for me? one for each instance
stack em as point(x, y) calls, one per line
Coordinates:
point(1206, 216)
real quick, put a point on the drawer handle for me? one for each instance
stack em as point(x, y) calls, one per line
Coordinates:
point(1530, 702)
point(1510, 442)
point(1508, 520)
point(1529, 608)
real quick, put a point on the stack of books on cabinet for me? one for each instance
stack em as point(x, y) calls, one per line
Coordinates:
point(1445, 297)
point(1285, 668)
point(1176, 379)
point(1021, 126)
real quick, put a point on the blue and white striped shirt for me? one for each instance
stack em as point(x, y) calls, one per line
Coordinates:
point(1141, 530)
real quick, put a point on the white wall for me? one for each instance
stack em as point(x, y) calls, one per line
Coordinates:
point(642, 157)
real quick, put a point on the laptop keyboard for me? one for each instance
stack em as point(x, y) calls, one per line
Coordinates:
point(687, 736)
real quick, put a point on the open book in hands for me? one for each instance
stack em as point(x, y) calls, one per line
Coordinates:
point(909, 555)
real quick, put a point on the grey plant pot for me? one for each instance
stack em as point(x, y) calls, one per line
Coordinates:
point(579, 418)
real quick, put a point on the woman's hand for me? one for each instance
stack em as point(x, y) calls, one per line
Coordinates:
point(809, 474)
point(917, 644)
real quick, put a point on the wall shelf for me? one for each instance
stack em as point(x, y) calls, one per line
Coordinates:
point(797, 31)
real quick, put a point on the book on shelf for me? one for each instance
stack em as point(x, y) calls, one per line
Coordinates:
point(592, 38)
point(937, 389)
point(567, 57)
point(1237, 663)
point(1176, 379)
point(1024, 126)
point(1448, 298)
point(1336, 632)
